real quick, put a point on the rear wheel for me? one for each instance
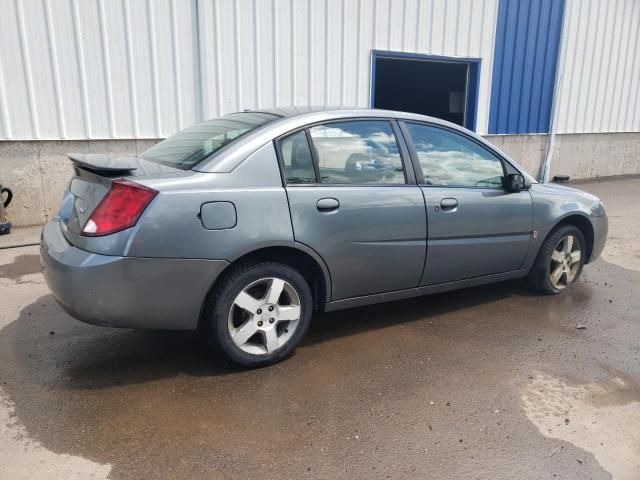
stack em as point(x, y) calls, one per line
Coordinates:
point(259, 313)
point(560, 261)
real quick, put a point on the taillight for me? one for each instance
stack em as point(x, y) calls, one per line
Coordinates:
point(119, 209)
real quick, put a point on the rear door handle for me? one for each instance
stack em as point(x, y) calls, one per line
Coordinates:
point(327, 204)
point(448, 203)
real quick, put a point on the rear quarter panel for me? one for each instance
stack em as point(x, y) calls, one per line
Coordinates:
point(171, 227)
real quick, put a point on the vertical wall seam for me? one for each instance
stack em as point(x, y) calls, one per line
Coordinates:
point(545, 49)
point(596, 126)
point(617, 48)
point(502, 62)
point(375, 24)
point(590, 77)
point(404, 25)
point(201, 68)
point(574, 63)
point(220, 107)
point(131, 69)
point(389, 13)
point(636, 66)
point(418, 21)
point(276, 57)
point(343, 86)
point(444, 29)
point(293, 54)
point(486, 66)
point(581, 85)
point(107, 67)
point(238, 60)
point(154, 67)
point(77, 31)
point(624, 84)
point(358, 63)
point(521, 80)
point(456, 32)
point(431, 19)
point(512, 72)
point(531, 99)
point(4, 109)
point(256, 57)
point(176, 64)
point(472, 18)
point(326, 52)
point(26, 65)
point(309, 55)
point(55, 73)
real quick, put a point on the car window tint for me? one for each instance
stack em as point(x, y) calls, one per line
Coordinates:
point(189, 147)
point(357, 152)
point(297, 159)
point(447, 158)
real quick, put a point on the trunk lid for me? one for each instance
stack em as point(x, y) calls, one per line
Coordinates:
point(93, 174)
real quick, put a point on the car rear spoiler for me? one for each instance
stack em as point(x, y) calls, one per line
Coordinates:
point(103, 163)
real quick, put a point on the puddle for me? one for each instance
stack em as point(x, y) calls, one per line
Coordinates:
point(22, 458)
point(601, 418)
point(21, 266)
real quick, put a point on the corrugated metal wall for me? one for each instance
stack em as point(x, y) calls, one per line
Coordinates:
point(600, 84)
point(97, 68)
point(318, 52)
point(79, 69)
point(526, 57)
point(145, 68)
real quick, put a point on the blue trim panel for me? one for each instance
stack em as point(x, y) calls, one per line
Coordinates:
point(473, 86)
point(525, 62)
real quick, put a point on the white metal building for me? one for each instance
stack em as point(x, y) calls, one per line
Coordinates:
point(115, 75)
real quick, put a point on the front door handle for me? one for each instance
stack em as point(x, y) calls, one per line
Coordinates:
point(448, 204)
point(327, 204)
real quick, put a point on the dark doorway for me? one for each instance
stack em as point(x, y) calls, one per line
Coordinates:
point(440, 88)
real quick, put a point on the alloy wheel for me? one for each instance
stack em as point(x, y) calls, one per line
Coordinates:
point(264, 316)
point(565, 262)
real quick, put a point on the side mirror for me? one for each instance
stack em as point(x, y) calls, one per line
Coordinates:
point(514, 182)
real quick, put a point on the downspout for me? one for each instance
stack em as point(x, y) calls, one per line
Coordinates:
point(545, 168)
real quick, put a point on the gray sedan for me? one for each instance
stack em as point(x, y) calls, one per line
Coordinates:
point(244, 225)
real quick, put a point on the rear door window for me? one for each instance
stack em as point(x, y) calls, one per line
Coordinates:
point(357, 152)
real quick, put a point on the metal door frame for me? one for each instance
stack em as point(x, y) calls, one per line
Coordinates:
point(472, 86)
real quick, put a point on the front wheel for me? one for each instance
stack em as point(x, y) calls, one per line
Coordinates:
point(560, 261)
point(259, 313)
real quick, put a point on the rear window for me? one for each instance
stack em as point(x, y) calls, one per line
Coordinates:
point(189, 147)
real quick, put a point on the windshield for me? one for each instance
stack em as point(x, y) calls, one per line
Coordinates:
point(189, 147)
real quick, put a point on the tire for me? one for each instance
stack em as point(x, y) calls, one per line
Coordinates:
point(242, 307)
point(553, 255)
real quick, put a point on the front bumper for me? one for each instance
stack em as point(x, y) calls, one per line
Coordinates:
point(600, 232)
point(152, 293)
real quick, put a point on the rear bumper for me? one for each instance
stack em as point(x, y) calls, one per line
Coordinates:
point(153, 293)
point(600, 232)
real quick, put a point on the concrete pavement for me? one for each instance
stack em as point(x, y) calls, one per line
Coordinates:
point(490, 382)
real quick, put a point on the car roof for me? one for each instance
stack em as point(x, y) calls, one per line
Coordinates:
point(295, 110)
point(342, 111)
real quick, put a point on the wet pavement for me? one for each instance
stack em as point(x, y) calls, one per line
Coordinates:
point(489, 382)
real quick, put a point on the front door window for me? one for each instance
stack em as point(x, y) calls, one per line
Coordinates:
point(449, 159)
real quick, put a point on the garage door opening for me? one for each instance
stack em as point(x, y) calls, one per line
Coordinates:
point(437, 86)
